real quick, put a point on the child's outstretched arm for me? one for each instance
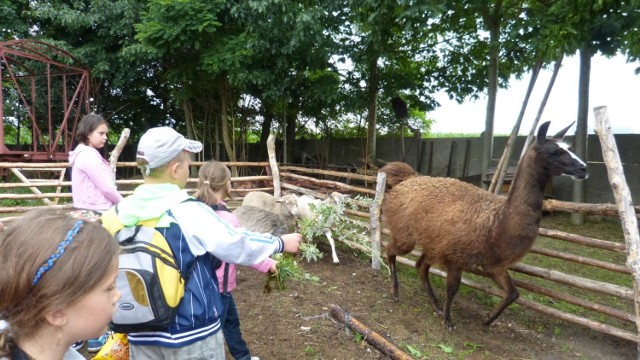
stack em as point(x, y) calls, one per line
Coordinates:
point(291, 242)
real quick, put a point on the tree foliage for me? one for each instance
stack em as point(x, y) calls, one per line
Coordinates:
point(229, 71)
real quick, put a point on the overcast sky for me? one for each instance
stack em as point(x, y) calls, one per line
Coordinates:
point(613, 84)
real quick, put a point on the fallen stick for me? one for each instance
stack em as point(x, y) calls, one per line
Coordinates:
point(383, 345)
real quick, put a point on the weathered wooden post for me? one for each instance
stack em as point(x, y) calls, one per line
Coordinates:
point(623, 201)
point(117, 150)
point(35, 190)
point(275, 172)
point(374, 218)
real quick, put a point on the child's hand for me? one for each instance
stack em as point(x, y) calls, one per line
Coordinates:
point(274, 268)
point(291, 242)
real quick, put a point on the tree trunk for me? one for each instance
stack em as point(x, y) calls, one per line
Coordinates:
point(188, 119)
point(492, 19)
point(291, 135)
point(224, 125)
point(371, 113)
point(580, 141)
point(216, 136)
point(264, 135)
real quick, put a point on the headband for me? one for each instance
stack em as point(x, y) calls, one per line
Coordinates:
point(48, 264)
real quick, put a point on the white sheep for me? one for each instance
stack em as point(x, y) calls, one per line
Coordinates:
point(285, 207)
point(288, 208)
point(262, 220)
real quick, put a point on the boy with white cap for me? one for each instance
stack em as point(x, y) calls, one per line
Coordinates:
point(197, 237)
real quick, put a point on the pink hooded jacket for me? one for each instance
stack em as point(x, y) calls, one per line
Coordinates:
point(262, 266)
point(93, 183)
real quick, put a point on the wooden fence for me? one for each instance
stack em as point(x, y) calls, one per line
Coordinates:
point(612, 311)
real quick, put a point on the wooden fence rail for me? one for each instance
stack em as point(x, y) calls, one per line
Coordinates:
point(566, 288)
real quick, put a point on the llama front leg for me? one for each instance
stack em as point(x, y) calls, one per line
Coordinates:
point(333, 246)
point(511, 294)
point(454, 276)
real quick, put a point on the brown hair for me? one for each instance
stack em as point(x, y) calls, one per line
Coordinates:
point(25, 247)
point(88, 124)
point(212, 176)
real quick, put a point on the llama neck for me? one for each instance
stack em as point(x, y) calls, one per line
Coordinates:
point(523, 205)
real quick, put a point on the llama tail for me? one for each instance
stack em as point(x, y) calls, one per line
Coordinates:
point(397, 172)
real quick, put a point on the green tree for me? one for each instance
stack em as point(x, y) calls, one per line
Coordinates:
point(599, 26)
point(289, 67)
point(391, 48)
point(14, 25)
point(484, 45)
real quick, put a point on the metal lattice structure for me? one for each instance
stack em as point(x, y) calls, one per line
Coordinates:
point(44, 91)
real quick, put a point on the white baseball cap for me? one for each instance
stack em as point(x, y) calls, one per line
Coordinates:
point(161, 144)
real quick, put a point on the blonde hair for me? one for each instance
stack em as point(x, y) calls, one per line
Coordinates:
point(25, 248)
point(213, 176)
point(158, 171)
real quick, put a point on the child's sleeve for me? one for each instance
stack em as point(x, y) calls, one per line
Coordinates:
point(206, 232)
point(265, 265)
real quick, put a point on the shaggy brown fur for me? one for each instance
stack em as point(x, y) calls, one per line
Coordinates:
point(463, 227)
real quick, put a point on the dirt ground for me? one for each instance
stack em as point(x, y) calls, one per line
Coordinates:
point(295, 323)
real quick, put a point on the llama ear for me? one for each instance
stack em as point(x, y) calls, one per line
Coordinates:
point(542, 133)
point(561, 133)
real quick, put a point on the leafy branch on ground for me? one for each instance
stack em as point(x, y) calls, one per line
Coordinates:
point(287, 270)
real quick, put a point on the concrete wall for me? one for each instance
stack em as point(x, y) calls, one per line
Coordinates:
point(460, 158)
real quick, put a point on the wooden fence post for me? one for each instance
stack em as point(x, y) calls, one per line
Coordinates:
point(273, 162)
point(374, 212)
point(24, 179)
point(623, 200)
point(117, 150)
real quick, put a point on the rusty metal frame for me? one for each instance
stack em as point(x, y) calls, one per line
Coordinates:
point(53, 143)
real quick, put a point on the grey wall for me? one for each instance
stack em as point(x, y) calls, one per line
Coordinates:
point(460, 158)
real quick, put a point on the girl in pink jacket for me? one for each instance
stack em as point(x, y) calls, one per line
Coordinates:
point(214, 185)
point(93, 185)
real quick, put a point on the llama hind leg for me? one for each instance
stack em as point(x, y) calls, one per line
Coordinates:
point(423, 271)
point(511, 294)
point(391, 261)
point(454, 276)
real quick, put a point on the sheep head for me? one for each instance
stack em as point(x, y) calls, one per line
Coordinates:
point(289, 202)
point(337, 197)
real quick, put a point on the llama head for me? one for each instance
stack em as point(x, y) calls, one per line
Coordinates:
point(556, 156)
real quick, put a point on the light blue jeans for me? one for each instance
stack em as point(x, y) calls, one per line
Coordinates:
point(211, 348)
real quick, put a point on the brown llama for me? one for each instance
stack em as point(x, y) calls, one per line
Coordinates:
point(465, 228)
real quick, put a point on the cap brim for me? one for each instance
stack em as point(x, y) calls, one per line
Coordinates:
point(193, 146)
